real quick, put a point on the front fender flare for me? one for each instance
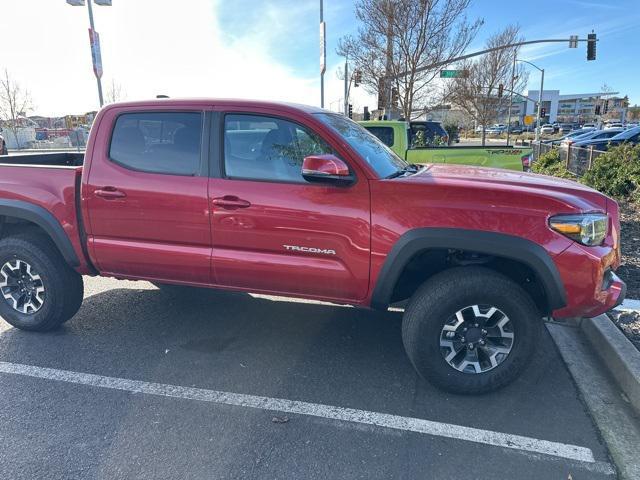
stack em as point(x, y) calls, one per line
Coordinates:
point(490, 243)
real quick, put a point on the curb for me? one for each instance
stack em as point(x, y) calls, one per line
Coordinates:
point(619, 355)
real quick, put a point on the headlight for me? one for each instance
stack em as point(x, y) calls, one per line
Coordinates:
point(588, 229)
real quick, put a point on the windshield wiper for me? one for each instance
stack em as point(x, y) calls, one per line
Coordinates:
point(410, 168)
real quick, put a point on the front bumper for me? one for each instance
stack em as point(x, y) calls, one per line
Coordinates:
point(591, 285)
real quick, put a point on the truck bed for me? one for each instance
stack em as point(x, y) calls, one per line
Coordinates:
point(61, 159)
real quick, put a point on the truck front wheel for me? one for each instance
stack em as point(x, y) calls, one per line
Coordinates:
point(470, 330)
point(38, 290)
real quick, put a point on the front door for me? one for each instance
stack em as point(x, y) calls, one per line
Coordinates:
point(275, 232)
point(146, 197)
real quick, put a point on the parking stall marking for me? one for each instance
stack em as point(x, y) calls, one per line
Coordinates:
point(409, 424)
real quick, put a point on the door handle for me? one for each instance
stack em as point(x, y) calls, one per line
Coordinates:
point(230, 202)
point(109, 193)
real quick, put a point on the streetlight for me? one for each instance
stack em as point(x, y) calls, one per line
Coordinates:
point(323, 53)
point(537, 137)
point(94, 40)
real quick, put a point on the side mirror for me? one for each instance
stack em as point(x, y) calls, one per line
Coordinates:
point(326, 168)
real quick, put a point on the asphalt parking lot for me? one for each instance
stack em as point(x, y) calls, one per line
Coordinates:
point(144, 384)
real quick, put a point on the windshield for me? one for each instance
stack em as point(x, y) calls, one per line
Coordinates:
point(373, 151)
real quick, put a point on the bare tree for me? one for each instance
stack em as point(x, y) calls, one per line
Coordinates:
point(115, 92)
point(398, 37)
point(477, 93)
point(15, 102)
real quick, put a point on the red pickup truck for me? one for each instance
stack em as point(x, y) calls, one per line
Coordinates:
point(297, 201)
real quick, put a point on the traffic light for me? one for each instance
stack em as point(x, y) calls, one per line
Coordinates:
point(500, 90)
point(591, 46)
point(367, 115)
point(357, 78)
point(543, 112)
point(598, 110)
point(350, 111)
point(605, 106)
point(394, 97)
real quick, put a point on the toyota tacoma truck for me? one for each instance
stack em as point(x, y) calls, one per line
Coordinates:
point(297, 201)
point(420, 142)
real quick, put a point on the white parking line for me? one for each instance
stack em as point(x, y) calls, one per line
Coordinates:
point(476, 435)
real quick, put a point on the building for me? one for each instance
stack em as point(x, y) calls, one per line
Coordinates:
point(578, 107)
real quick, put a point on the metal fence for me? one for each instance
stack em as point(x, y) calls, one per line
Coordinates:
point(577, 160)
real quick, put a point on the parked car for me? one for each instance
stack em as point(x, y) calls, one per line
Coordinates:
point(547, 129)
point(590, 125)
point(631, 135)
point(565, 128)
point(613, 125)
point(297, 201)
point(517, 129)
point(400, 137)
point(593, 135)
point(568, 136)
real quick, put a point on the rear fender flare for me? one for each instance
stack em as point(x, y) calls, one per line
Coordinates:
point(45, 220)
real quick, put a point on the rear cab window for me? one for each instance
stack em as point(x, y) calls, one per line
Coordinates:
point(158, 142)
point(426, 134)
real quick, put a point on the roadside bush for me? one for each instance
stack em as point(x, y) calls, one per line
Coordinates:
point(550, 164)
point(616, 173)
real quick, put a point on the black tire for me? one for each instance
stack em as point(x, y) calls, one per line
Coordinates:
point(63, 286)
point(436, 303)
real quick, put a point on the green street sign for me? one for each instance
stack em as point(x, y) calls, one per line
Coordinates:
point(453, 73)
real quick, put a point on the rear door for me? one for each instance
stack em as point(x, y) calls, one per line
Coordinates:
point(272, 230)
point(146, 195)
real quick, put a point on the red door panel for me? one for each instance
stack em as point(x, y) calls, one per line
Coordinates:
point(293, 239)
point(146, 225)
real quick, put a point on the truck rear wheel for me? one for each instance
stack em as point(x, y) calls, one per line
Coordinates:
point(38, 290)
point(470, 330)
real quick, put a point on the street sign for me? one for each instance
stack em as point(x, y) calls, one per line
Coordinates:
point(528, 120)
point(323, 48)
point(573, 41)
point(453, 73)
point(96, 56)
point(105, 3)
point(76, 3)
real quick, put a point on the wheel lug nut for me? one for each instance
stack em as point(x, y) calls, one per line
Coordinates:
point(475, 325)
point(464, 329)
point(481, 342)
point(463, 340)
point(484, 332)
point(471, 346)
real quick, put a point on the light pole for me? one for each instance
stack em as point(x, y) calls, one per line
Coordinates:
point(323, 53)
point(537, 137)
point(94, 38)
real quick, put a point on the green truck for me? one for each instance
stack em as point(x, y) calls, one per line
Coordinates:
point(428, 142)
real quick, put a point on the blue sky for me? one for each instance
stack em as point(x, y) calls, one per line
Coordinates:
point(616, 22)
point(268, 49)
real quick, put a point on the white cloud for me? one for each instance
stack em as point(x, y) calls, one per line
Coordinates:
point(151, 47)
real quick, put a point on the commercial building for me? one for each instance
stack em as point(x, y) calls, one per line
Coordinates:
point(578, 107)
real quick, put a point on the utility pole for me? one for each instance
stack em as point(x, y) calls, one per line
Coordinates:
point(346, 86)
point(513, 79)
point(323, 53)
point(388, 80)
point(538, 125)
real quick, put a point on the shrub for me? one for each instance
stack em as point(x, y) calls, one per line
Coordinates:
point(550, 164)
point(616, 173)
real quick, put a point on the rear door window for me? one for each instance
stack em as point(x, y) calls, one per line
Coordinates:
point(158, 142)
point(384, 134)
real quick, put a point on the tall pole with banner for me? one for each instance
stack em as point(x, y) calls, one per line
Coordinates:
point(323, 54)
point(94, 40)
point(96, 55)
